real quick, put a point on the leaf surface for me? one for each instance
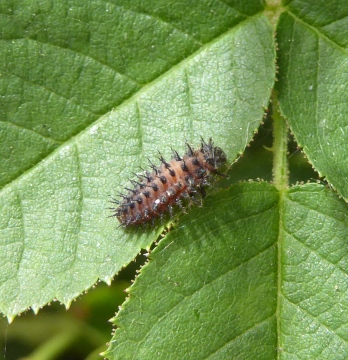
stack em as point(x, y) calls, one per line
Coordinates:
point(313, 78)
point(106, 112)
point(313, 298)
point(209, 289)
point(252, 274)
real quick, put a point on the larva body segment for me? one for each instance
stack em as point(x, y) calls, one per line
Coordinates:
point(158, 192)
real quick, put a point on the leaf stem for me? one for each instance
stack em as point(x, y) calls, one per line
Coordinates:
point(273, 9)
point(281, 182)
point(280, 148)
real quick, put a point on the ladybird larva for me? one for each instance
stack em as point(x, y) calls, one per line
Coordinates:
point(156, 192)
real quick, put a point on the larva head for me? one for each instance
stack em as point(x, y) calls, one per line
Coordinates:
point(214, 156)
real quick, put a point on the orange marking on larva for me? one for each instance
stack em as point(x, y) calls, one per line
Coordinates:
point(158, 192)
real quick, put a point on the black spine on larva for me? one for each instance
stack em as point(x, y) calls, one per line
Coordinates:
point(158, 192)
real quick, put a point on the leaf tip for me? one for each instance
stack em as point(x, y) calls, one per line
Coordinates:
point(67, 304)
point(35, 309)
point(108, 281)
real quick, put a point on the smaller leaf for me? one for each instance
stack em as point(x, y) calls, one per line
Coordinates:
point(314, 292)
point(312, 86)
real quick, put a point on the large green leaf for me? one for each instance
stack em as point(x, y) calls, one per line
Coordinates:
point(55, 235)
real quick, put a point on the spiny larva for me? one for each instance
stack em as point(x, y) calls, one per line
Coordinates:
point(157, 192)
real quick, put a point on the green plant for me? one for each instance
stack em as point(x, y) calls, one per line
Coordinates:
point(90, 90)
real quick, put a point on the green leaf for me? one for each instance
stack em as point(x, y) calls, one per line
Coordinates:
point(64, 65)
point(88, 104)
point(210, 287)
point(313, 302)
point(313, 68)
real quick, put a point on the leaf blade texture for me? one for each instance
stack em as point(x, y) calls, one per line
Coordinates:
point(56, 237)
